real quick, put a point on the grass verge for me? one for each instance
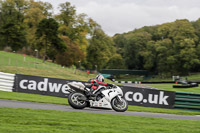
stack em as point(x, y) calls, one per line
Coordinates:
point(37, 121)
point(168, 87)
point(15, 63)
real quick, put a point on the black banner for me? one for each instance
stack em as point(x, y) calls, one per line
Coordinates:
point(59, 88)
point(41, 85)
point(149, 97)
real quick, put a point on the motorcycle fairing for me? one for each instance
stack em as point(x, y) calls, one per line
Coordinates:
point(110, 94)
point(102, 103)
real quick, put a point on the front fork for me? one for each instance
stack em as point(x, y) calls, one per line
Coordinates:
point(119, 99)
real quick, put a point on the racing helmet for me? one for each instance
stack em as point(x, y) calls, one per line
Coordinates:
point(100, 78)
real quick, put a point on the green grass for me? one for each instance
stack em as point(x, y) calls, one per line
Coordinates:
point(63, 101)
point(168, 87)
point(193, 77)
point(140, 78)
point(42, 121)
point(13, 59)
point(14, 63)
point(32, 98)
point(194, 89)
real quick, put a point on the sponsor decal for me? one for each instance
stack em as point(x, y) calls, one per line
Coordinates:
point(41, 85)
point(152, 99)
point(149, 97)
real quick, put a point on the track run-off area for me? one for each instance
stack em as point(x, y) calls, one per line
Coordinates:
point(44, 106)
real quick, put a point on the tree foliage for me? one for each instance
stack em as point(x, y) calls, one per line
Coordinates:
point(115, 62)
point(47, 30)
point(34, 13)
point(71, 56)
point(68, 38)
point(12, 28)
point(100, 49)
point(167, 49)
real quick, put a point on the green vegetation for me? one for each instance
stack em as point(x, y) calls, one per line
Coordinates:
point(34, 120)
point(32, 98)
point(15, 63)
point(168, 87)
point(63, 101)
point(66, 38)
point(167, 49)
point(47, 31)
point(75, 39)
point(190, 77)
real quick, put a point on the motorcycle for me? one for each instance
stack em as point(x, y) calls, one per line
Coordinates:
point(106, 97)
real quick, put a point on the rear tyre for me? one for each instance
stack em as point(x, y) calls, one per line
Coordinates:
point(119, 106)
point(75, 102)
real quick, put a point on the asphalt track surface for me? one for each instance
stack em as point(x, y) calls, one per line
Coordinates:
point(32, 105)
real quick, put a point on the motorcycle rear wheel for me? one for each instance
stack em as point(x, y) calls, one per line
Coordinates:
point(119, 107)
point(74, 102)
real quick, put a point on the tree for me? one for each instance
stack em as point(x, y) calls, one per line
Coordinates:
point(149, 55)
point(135, 44)
point(71, 56)
point(120, 42)
point(67, 20)
point(115, 62)
point(182, 34)
point(196, 25)
point(47, 30)
point(187, 56)
point(67, 15)
point(12, 28)
point(181, 29)
point(100, 49)
point(167, 49)
point(74, 27)
point(34, 13)
point(165, 60)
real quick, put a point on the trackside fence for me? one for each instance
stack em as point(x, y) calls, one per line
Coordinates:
point(187, 101)
point(6, 81)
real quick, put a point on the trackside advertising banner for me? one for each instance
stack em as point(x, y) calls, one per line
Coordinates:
point(149, 97)
point(59, 88)
point(41, 85)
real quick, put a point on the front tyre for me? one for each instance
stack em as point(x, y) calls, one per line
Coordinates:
point(75, 102)
point(119, 106)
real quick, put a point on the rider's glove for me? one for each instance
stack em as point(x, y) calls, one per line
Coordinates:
point(111, 85)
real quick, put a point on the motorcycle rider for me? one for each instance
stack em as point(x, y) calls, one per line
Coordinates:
point(99, 80)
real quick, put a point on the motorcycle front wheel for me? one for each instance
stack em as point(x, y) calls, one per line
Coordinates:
point(75, 102)
point(119, 106)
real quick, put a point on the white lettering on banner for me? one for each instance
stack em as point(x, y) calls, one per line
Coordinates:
point(54, 87)
point(127, 96)
point(32, 85)
point(65, 88)
point(21, 84)
point(43, 86)
point(162, 99)
point(137, 97)
point(152, 98)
